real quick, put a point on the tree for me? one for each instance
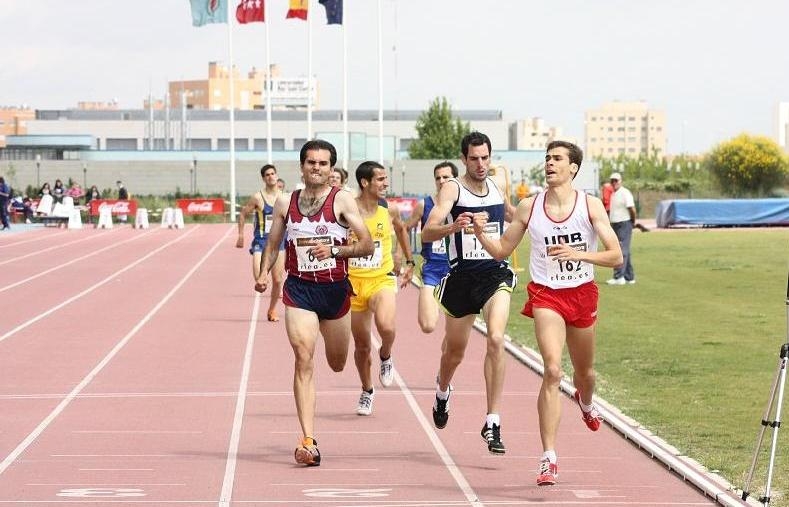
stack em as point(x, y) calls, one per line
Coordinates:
point(439, 134)
point(748, 166)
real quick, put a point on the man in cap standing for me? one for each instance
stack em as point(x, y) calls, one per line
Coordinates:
point(623, 218)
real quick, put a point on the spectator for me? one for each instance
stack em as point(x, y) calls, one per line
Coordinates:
point(58, 191)
point(123, 195)
point(27, 209)
point(522, 190)
point(45, 190)
point(605, 194)
point(90, 195)
point(5, 197)
point(339, 178)
point(281, 185)
point(623, 219)
point(75, 192)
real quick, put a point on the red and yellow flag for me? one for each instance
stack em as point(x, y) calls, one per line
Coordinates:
point(298, 9)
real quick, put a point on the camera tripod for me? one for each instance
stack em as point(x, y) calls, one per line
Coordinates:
point(776, 400)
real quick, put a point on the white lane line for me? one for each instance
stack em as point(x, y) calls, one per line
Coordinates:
point(238, 417)
point(427, 427)
point(114, 455)
point(60, 266)
point(167, 432)
point(94, 286)
point(93, 485)
point(105, 361)
point(45, 250)
point(116, 469)
point(39, 238)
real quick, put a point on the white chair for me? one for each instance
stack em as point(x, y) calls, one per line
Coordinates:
point(75, 219)
point(179, 218)
point(44, 207)
point(168, 218)
point(141, 218)
point(105, 217)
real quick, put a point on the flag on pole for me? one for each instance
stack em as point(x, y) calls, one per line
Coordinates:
point(298, 9)
point(333, 11)
point(250, 11)
point(208, 11)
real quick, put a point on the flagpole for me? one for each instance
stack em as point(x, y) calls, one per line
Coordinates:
point(380, 90)
point(345, 144)
point(309, 72)
point(268, 84)
point(232, 118)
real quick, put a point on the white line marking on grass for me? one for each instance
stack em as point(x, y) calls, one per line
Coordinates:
point(59, 266)
point(238, 417)
point(449, 463)
point(112, 353)
point(94, 287)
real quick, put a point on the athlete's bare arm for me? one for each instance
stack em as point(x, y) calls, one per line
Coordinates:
point(435, 228)
point(416, 216)
point(275, 236)
point(502, 248)
point(252, 204)
point(347, 210)
point(405, 246)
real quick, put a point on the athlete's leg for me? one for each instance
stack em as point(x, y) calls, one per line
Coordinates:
point(428, 309)
point(383, 306)
point(454, 347)
point(361, 327)
point(277, 277)
point(336, 338)
point(549, 328)
point(302, 329)
point(581, 346)
point(496, 313)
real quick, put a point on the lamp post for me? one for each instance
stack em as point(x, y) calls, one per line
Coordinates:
point(191, 177)
point(402, 183)
point(84, 176)
point(38, 170)
point(194, 166)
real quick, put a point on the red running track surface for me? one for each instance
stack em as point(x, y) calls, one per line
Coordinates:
point(137, 367)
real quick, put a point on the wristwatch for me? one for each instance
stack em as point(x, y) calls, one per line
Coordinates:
point(335, 251)
point(410, 262)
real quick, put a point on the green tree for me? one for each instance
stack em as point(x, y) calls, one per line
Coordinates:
point(748, 166)
point(439, 133)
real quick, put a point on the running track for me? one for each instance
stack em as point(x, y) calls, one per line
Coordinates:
point(137, 367)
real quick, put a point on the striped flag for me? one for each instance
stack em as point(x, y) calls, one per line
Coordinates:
point(298, 9)
point(333, 11)
point(208, 11)
point(250, 11)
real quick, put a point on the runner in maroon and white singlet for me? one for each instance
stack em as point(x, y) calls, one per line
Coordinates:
point(564, 225)
point(316, 292)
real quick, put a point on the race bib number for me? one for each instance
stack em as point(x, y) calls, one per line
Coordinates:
point(370, 262)
point(472, 248)
point(439, 247)
point(267, 220)
point(306, 261)
point(569, 271)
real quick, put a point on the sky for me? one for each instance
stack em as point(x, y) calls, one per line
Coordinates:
point(717, 68)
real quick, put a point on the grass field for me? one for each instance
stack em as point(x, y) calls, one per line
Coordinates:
point(691, 350)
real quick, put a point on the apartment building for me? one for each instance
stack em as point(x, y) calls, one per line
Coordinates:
point(13, 122)
point(629, 128)
point(532, 134)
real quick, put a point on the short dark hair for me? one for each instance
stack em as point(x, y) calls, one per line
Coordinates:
point(366, 170)
point(576, 153)
point(266, 168)
point(474, 139)
point(318, 144)
point(446, 163)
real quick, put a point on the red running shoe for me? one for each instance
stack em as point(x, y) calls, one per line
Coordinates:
point(548, 473)
point(307, 453)
point(591, 418)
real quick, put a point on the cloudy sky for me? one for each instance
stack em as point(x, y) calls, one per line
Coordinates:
point(716, 67)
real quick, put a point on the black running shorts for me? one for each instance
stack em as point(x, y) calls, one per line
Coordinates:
point(462, 293)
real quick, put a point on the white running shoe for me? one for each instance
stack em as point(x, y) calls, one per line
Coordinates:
point(631, 282)
point(386, 376)
point(616, 281)
point(365, 405)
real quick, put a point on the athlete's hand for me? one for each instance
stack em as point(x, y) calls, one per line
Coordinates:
point(406, 275)
point(240, 242)
point(462, 221)
point(563, 252)
point(262, 283)
point(479, 220)
point(321, 252)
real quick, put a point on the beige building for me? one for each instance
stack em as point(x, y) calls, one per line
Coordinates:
point(532, 134)
point(628, 128)
point(213, 93)
point(13, 122)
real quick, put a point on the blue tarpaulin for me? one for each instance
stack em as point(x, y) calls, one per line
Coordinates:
point(722, 212)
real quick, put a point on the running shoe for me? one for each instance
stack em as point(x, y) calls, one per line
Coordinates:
point(493, 438)
point(307, 452)
point(365, 405)
point(548, 473)
point(386, 376)
point(591, 418)
point(441, 411)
